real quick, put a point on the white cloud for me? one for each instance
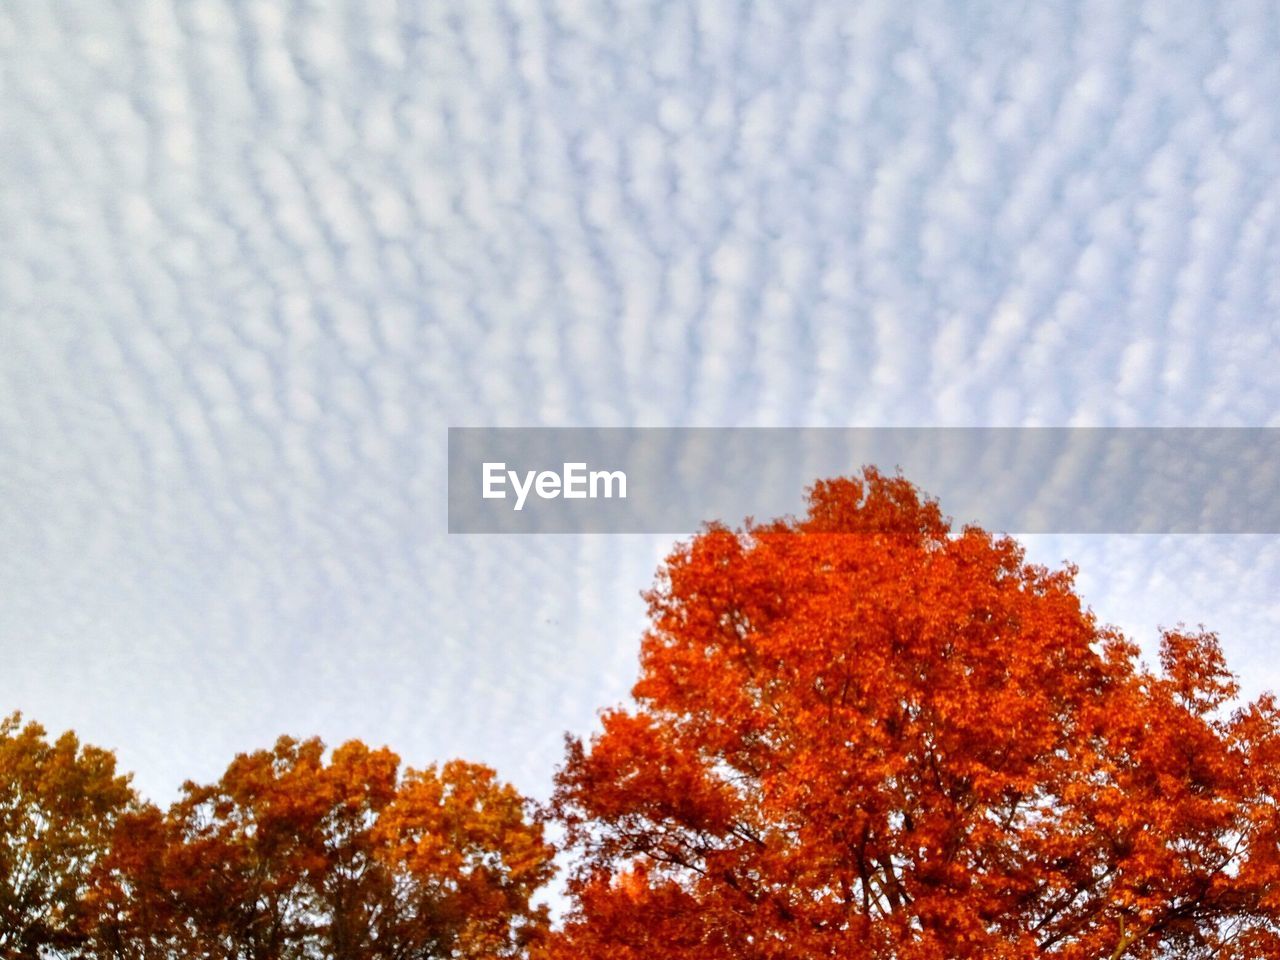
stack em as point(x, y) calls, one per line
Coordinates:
point(256, 260)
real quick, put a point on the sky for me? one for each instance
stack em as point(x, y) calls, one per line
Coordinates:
point(257, 257)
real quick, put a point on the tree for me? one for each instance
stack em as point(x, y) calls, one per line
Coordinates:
point(59, 802)
point(293, 855)
point(467, 863)
point(862, 734)
point(133, 908)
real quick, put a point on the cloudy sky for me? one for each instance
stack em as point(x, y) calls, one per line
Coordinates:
point(256, 257)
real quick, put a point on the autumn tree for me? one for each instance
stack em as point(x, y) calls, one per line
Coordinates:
point(294, 853)
point(59, 801)
point(467, 861)
point(863, 734)
point(133, 907)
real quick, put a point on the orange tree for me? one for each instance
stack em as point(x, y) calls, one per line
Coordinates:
point(294, 853)
point(862, 734)
point(59, 802)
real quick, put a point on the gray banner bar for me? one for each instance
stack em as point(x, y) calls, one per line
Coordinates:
point(1016, 480)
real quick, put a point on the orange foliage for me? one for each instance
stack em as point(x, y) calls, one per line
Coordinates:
point(288, 855)
point(58, 804)
point(860, 734)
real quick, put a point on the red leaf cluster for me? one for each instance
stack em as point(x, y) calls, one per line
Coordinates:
point(860, 734)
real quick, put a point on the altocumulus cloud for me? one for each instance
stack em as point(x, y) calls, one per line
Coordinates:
point(256, 257)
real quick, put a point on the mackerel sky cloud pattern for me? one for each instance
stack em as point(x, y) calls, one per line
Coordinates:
point(256, 259)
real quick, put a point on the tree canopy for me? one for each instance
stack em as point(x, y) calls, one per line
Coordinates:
point(294, 852)
point(861, 734)
point(59, 802)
